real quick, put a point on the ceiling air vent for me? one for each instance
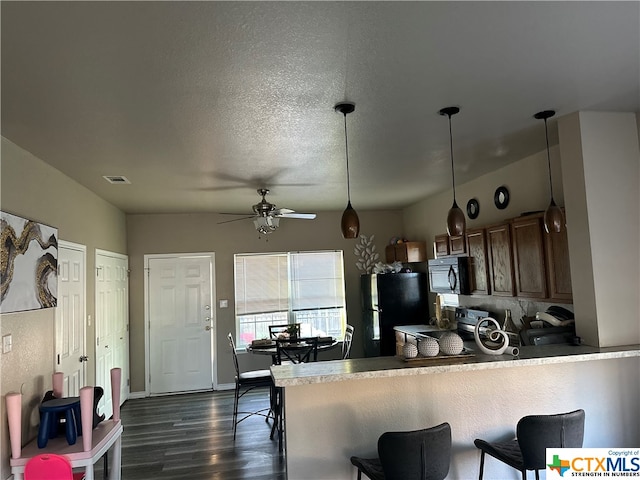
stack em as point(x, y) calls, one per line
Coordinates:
point(116, 179)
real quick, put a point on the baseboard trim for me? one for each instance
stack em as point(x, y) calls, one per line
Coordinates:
point(136, 395)
point(145, 394)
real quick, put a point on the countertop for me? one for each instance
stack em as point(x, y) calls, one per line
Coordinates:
point(379, 367)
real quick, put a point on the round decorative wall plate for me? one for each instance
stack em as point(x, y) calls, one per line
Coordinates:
point(473, 208)
point(501, 197)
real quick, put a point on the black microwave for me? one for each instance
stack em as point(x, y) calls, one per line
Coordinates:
point(449, 275)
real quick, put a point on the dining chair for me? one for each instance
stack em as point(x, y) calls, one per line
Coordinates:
point(245, 382)
point(346, 342)
point(534, 434)
point(414, 455)
point(304, 350)
point(275, 330)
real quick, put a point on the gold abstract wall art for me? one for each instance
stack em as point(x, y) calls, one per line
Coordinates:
point(28, 266)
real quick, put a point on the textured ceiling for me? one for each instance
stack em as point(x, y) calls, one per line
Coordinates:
point(200, 103)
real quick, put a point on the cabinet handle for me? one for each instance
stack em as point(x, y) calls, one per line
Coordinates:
point(453, 279)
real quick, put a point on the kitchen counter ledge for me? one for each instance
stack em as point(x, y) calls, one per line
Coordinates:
point(380, 367)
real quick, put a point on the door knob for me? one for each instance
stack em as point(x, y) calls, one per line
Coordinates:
point(83, 358)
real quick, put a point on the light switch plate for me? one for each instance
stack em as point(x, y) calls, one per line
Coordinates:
point(7, 343)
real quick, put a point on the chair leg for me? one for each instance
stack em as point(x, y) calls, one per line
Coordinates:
point(537, 475)
point(481, 464)
point(524, 475)
point(236, 399)
point(359, 475)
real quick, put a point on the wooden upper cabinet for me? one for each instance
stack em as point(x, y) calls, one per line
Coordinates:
point(528, 257)
point(407, 252)
point(444, 245)
point(478, 261)
point(516, 258)
point(441, 245)
point(457, 245)
point(558, 269)
point(500, 260)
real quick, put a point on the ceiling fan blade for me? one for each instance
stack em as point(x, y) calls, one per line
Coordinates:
point(305, 216)
point(235, 219)
point(282, 211)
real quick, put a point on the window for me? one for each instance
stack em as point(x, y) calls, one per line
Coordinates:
point(294, 287)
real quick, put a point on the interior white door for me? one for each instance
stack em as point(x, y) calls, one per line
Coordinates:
point(112, 324)
point(180, 323)
point(70, 355)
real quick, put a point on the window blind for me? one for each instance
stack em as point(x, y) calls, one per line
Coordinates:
point(316, 280)
point(261, 283)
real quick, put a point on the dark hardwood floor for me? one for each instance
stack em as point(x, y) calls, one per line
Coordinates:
point(190, 437)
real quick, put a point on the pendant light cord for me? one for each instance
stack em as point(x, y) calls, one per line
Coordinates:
point(453, 175)
point(546, 132)
point(346, 147)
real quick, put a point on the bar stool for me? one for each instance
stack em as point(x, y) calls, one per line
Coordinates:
point(51, 411)
point(416, 455)
point(534, 434)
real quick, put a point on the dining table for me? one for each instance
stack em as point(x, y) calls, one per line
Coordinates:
point(268, 347)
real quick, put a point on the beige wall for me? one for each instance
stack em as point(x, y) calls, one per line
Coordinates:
point(32, 189)
point(527, 181)
point(601, 156)
point(153, 234)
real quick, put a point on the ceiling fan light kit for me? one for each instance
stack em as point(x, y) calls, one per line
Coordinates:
point(266, 225)
point(553, 216)
point(456, 223)
point(350, 223)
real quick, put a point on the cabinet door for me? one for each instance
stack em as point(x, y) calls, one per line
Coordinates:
point(528, 258)
point(390, 253)
point(457, 245)
point(478, 261)
point(558, 271)
point(500, 260)
point(414, 252)
point(407, 252)
point(441, 245)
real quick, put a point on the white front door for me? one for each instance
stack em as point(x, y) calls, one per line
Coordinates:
point(112, 324)
point(70, 317)
point(181, 322)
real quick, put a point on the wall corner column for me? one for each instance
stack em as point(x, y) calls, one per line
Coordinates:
point(601, 170)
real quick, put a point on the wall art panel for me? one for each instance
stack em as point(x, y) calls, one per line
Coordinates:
point(29, 264)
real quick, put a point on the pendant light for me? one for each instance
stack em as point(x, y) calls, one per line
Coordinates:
point(350, 223)
point(455, 218)
point(553, 217)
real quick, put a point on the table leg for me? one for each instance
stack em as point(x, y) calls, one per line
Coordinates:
point(116, 459)
point(88, 472)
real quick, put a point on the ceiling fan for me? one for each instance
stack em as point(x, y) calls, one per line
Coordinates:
point(266, 217)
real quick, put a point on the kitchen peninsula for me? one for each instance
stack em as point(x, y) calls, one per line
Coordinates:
point(351, 402)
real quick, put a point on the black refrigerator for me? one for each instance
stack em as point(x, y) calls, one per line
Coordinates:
point(388, 300)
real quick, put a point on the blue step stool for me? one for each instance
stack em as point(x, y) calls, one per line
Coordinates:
point(50, 413)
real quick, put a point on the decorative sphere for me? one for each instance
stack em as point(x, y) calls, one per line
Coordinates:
point(451, 344)
point(428, 347)
point(409, 350)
